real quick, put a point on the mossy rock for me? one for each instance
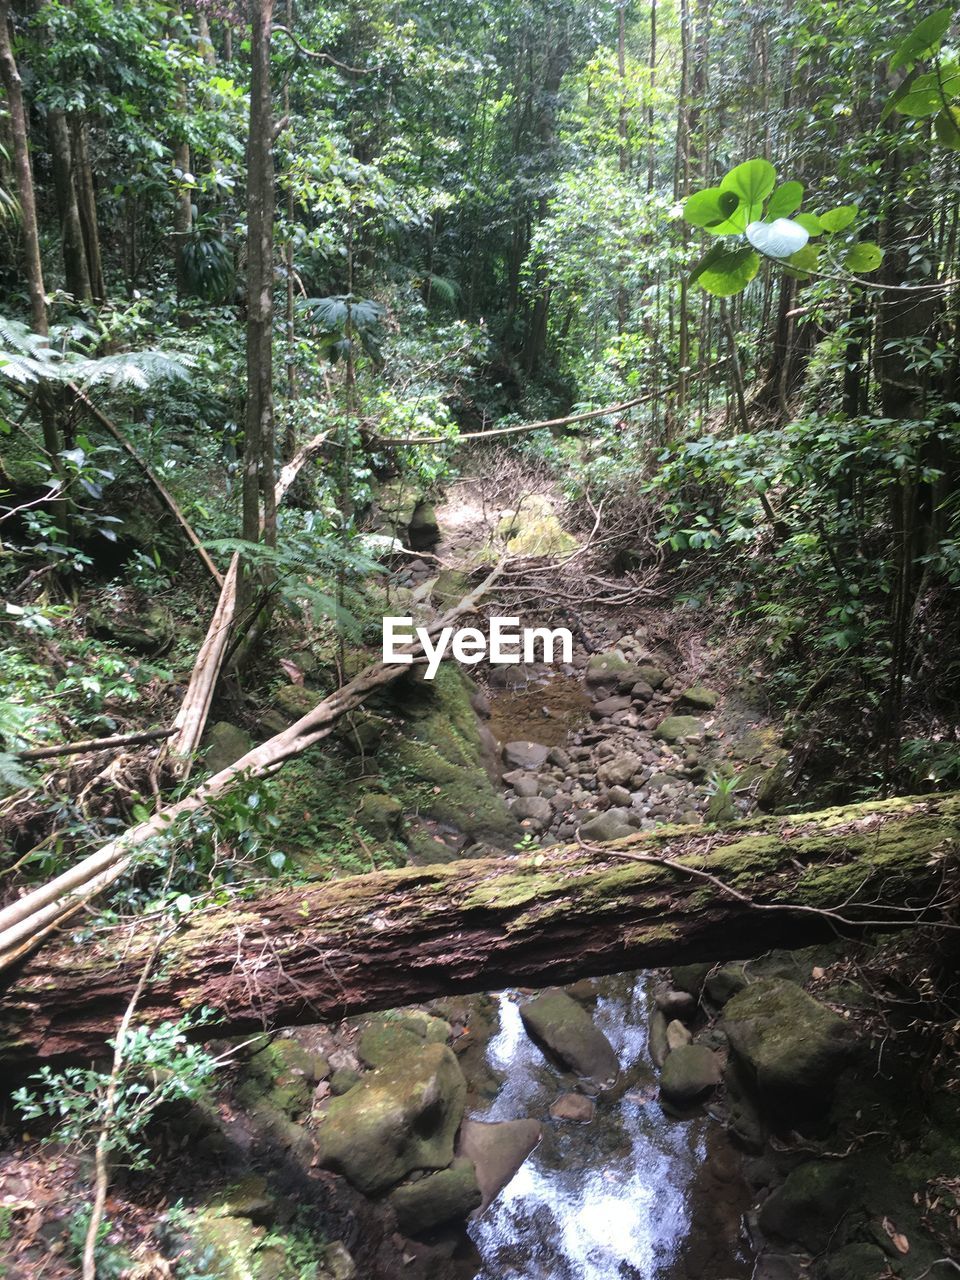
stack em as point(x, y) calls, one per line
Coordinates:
point(557, 1022)
point(223, 745)
point(448, 1196)
point(541, 536)
point(810, 1204)
point(792, 1046)
point(293, 701)
point(610, 667)
point(676, 729)
point(860, 1261)
point(149, 631)
point(282, 1075)
point(423, 527)
point(399, 1118)
point(689, 977)
point(698, 698)
point(249, 1198)
point(449, 588)
point(689, 1075)
point(362, 731)
point(384, 1041)
point(379, 814)
point(654, 676)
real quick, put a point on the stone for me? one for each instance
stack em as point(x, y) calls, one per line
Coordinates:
point(337, 1261)
point(621, 770)
point(608, 668)
point(609, 707)
point(676, 1004)
point(497, 1151)
point(379, 814)
point(224, 744)
point(536, 810)
point(677, 1035)
point(728, 981)
point(447, 1196)
point(674, 729)
point(384, 1041)
point(423, 529)
point(619, 796)
point(689, 977)
point(525, 755)
point(149, 631)
point(573, 1106)
point(689, 1074)
point(523, 783)
point(611, 825)
point(557, 756)
point(558, 1023)
point(641, 691)
point(401, 1117)
point(698, 698)
point(655, 677)
point(810, 1203)
point(860, 1261)
point(534, 529)
point(792, 1046)
point(343, 1080)
point(294, 701)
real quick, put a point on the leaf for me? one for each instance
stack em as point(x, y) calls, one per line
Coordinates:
point(804, 261)
point(751, 181)
point(709, 207)
point(924, 39)
point(810, 223)
point(947, 128)
point(724, 272)
point(864, 256)
point(784, 201)
point(838, 219)
point(777, 239)
point(930, 92)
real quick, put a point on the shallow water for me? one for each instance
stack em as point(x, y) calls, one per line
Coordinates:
point(634, 1195)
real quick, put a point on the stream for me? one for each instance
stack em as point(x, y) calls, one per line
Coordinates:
point(635, 1194)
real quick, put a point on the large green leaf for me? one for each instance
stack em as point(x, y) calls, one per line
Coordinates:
point(947, 128)
point(924, 39)
point(863, 257)
point(710, 207)
point(810, 223)
point(804, 260)
point(838, 219)
point(930, 92)
point(751, 181)
point(784, 201)
point(723, 271)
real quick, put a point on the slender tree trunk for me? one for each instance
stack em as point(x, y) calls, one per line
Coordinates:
point(76, 273)
point(182, 219)
point(87, 200)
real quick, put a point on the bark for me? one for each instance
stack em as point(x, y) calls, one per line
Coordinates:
point(13, 88)
point(86, 197)
point(182, 220)
point(76, 274)
point(308, 954)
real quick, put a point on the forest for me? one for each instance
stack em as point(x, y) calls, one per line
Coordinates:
point(335, 942)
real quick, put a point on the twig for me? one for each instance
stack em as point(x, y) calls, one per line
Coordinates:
point(94, 744)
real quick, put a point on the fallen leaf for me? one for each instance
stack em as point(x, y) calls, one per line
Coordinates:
point(818, 972)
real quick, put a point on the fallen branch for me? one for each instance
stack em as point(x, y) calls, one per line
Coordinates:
point(94, 744)
point(33, 915)
point(315, 953)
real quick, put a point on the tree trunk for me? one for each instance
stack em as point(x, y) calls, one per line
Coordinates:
point(86, 197)
point(76, 275)
point(182, 219)
point(13, 88)
point(314, 953)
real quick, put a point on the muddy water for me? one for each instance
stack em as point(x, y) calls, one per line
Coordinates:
point(634, 1195)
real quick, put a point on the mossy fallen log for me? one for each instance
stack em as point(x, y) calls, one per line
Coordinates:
point(311, 954)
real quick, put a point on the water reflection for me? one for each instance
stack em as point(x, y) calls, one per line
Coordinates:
point(610, 1200)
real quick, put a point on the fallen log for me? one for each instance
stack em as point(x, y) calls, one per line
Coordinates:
point(89, 745)
point(311, 954)
point(31, 917)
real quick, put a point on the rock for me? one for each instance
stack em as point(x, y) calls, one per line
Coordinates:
point(675, 729)
point(621, 770)
point(809, 1204)
point(611, 825)
point(655, 677)
point(281, 1074)
point(400, 1118)
point(525, 755)
point(608, 668)
point(689, 977)
point(698, 698)
point(450, 587)
point(744, 1121)
point(423, 529)
point(689, 1074)
point(557, 756)
point(534, 529)
point(248, 1198)
point(641, 691)
point(523, 782)
point(619, 797)
point(343, 1080)
point(481, 704)
point(337, 1262)
point(657, 1038)
point(294, 701)
point(792, 1046)
point(728, 981)
point(676, 1004)
point(677, 1035)
point(609, 707)
point(224, 744)
point(559, 1023)
point(150, 630)
point(533, 809)
point(573, 1106)
point(440, 1197)
point(384, 1041)
point(379, 814)
point(854, 1262)
point(497, 1151)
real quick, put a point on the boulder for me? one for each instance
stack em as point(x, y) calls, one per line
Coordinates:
point(689, 978)
point(379, 814)
point(728, 981)
point(149, 631)
point(792, 1046)
point(535, 810)
point(525, 755)
point(573, 1106)
point(655, 677)
point(612, 825)
point(689, 1074)
point(676, 728)
point(223, 745)
point(657, 1038)
point(621, 770)
point(423, 529)
point(609, 707)
point(609, 668)
point(497, 1151)
point(384, 1041)
point(440, 1197)
point(810, 1203)
point(860, 1261)
point(697, 698)
point(402, 1117)
point(677, 1035)
point(564, 1028)
point(534, 529)
point(522, 781)
point(676, 1004)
